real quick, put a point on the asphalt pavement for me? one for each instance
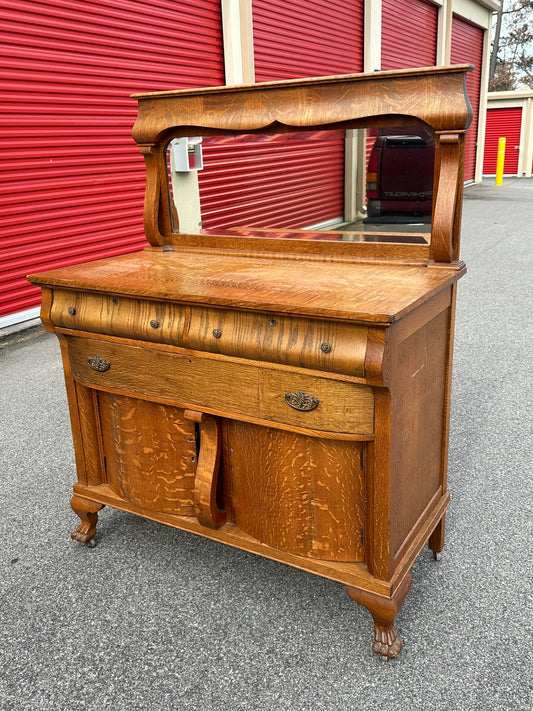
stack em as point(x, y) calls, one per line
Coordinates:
point(154, 618)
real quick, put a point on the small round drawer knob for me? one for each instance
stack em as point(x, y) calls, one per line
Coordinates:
point(98, 363)
point(217, 333)
point(71, 310)
point(325, 347)
point(154, 323)
point(273, 322)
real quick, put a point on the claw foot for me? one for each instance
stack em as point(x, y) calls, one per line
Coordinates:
point(386, 643)
point(383, 610)
point(88, 512)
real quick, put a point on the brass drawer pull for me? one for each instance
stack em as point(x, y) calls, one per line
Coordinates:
point(98, 363)
point(302, 401)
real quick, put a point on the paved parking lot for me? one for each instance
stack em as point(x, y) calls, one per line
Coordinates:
point(154, 618)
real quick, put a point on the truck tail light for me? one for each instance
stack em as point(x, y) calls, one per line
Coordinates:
point(372, 175)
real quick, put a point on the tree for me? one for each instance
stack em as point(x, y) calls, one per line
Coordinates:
point(511, 62)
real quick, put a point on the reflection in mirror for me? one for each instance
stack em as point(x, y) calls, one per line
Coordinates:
point(355, 185)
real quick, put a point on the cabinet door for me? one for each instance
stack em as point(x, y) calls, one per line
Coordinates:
point(150, 453)
point(300, 494)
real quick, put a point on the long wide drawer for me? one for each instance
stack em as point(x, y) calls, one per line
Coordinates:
point(235, 390)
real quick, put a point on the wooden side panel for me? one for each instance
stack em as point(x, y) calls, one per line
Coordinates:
point(150, 452)
point(72, 397)
point(417, 422)
point(302, 495)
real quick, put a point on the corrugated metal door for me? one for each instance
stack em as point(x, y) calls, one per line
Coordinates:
point(272, 181)
point(305, 38)
point(72, 177)
point(408, 34)
point(502, 123)
point(285, 181)
point(467, 47)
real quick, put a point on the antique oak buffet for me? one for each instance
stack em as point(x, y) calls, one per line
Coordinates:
point(286, 393)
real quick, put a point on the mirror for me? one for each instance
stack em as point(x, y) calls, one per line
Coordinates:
point(371, 184)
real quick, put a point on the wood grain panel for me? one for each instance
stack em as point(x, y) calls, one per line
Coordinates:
point(309, 343)
point(302, 495)
point(150, 451)
point(434, 95)
point(417, 422)
point(87, 405)
point(119, 316)
point(234, 388)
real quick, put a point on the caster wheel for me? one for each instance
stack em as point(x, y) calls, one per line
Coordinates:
point(91, 543)
point(437, 555)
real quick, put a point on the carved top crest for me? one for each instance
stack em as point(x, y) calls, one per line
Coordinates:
point(435, 96)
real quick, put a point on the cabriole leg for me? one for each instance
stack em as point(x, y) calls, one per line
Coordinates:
point(383, 610)
point(88, 512)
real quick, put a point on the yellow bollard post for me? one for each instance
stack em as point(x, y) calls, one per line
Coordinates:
point(500, 161)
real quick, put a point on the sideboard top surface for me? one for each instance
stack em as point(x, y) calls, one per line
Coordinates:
point(360, 291)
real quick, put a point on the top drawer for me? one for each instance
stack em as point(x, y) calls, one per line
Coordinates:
point(309, 343)
point(156, 321)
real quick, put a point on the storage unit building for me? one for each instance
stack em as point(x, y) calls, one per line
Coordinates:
point(510, 115)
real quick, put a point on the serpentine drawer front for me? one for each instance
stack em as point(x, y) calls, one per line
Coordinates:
point(308, 343)
point(234, 389)
point(119, 316)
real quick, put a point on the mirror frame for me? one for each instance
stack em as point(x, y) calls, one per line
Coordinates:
point(434, 98)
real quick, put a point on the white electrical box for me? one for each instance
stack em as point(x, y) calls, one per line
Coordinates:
point(186, 154)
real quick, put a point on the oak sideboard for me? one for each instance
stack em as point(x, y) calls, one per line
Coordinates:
point(283, 391)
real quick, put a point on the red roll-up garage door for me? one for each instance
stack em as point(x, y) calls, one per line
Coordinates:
point(408, 34)
point(304, 38)
point(467, 47)
point(286, 181)
point(506, 122)
point(72, 177)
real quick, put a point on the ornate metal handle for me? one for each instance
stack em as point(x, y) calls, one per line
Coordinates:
point(301, 401)
point(98, 363)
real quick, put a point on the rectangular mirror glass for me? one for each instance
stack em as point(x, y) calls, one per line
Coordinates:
point(371, 185)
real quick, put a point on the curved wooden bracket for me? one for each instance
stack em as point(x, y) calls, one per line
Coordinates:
point(156, 200)
point(205, 483)
point(449, 151)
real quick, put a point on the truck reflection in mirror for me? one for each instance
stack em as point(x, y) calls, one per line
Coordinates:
point(399, 179)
